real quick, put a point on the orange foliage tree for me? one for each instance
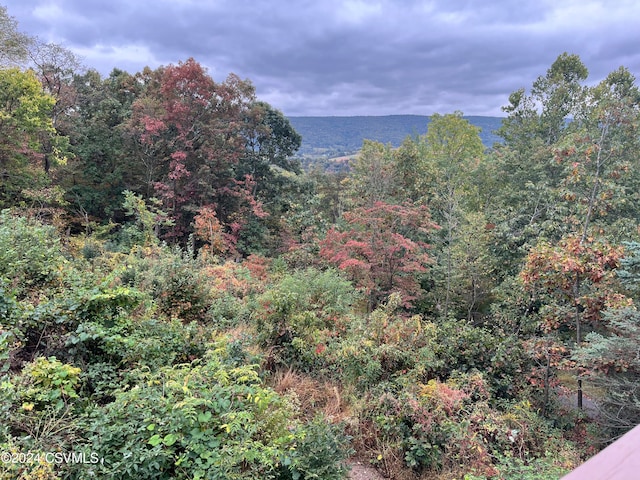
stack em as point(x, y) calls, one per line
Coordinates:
point(208, 228)
point(578, 280)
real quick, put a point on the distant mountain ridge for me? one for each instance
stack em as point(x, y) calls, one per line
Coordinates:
point(336, 136)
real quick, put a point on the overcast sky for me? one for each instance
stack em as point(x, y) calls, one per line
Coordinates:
point(349, 57)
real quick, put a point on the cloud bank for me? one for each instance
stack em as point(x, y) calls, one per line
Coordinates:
point(349, 57)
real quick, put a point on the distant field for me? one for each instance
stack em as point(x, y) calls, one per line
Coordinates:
point(330, 137)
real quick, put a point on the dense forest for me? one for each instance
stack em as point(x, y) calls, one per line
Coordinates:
point(180, 299)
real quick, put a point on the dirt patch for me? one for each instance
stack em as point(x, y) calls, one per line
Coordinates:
point(569, 401)
point(360, 471)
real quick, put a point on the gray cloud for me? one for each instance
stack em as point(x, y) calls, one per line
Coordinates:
point(349, 57)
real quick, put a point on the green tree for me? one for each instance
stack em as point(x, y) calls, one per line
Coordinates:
point(408, 164)
point(540, 118)
point(149, 218)
point(24, 122)
point(597, 151)
point(373, 175)
point(101, 168)
point(474, 271)
point(566, 161)
point(56, 66)
point(453, 151)
point(560, 94)
point(597, 157)
point(528, 204)
point(271, 142)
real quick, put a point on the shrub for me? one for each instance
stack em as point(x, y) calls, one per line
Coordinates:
point(50, 383)
point(175, 281)
point(383, 346)
point(450, 426)
point(227, 311)
point(320, 453)
point(44, 324)
point(30, 253)
point(8, 304)
point(297, 316)
point(41, 408)
point(551, 466)
point(180, 290)
point(37, 469)
point(208, 419)
point(5, 348)
point(126, 342)
point(460, 346)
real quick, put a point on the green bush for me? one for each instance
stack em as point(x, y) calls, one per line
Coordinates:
point(460, 346)
point(382, 347)
point(38, 469)
point(141, 342)
point(41, 407)
point(8, 304)
point(297, 316)
point(50, 383)
point(43, 325)
point(319, 454)
point(6, 340)
point(228, 311)
point(551, 466)
point(450, 426)
point(43, 296)
point(172, 278)
point(30, 253)
point(208, 419)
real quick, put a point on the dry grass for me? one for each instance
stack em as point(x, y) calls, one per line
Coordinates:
point(313, 395)
point(318, 396)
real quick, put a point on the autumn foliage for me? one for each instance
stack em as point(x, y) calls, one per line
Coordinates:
point(578, 274)
point(377, 251)
point(431, 292)
point(192, 134)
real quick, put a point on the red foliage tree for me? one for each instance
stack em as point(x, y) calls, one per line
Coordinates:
point(377, 252)
point(191, 131)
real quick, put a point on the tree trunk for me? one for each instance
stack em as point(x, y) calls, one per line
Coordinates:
point(547, 375)
point(576, 293)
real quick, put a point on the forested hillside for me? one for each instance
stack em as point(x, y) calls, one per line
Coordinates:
point(339, 136)
point(179, 299)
